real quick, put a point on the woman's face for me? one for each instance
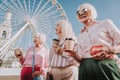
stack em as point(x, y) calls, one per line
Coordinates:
point(58, 29)
point(37, 40)
point(83, 14)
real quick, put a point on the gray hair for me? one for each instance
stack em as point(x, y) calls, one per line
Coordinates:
point(90, 7)
point(66, 28)
point(42, 37)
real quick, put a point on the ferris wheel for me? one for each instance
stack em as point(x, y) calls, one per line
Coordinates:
point(23, 18)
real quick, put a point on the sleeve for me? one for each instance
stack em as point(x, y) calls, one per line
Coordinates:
point(23, 59)
point(50, 56)
point(78, 49)
point(114, 33)
point(65, 55)
point(45, 62)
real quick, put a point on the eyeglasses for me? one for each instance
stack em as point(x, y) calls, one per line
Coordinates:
point(82, 12)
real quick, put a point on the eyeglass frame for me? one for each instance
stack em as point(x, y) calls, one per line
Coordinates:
point(81, 12)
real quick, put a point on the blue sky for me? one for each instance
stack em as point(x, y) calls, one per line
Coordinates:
point(106, 9)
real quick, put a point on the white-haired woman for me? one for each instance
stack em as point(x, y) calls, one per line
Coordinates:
point(97, 44)
point(36, 58)
point(62, 66)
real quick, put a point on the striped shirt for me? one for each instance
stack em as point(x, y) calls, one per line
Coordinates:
point(59, 60)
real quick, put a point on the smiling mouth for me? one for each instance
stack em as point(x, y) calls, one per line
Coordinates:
point(34, 40)
point(83, 16)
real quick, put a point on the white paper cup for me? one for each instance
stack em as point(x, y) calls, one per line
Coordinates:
point(56, 42)
point(69, 44)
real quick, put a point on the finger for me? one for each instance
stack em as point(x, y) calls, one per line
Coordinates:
point(97, 55)
point(33, 75)
point(100, 56)
point(55, 46)
point(64, 47)
point(72, 54)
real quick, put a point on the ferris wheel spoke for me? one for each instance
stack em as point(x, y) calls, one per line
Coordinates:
point(47, 6)
point(20, 3)
point(40, 15)
point(17, 15)
point(44, 29)
point(13, 3)
point(48, 23)
point(25, 6)
point(38, 6)
point(29, 8)
point(49, 14)
point(17, 4)
point(54, 18)
point(41, 8)
point(17, 43)
point(4, 9)
point(33, 7)
point(21, 12)
point(47, 10)
point(16, 29)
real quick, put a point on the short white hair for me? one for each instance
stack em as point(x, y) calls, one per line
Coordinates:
point(66, 29)
point(90, 7)
point(42, 37)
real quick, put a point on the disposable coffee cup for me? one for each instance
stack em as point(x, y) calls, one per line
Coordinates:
point(69, 44)
point(55, 42)
point(18, 52)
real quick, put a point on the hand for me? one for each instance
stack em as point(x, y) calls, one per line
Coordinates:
point(100, 55)
point(100, 52)
point(18, 53)
point(37, 73)
point(73, 54)
point(19, 56)
point(70, 53)
point(58, 50)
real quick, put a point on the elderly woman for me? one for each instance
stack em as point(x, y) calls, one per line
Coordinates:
point(98, 43)
point(62, 66)
point(35, 62)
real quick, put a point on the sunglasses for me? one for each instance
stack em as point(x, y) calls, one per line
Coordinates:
point(81, 12)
